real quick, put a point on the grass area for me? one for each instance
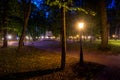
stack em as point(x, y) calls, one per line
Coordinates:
point(31, 60)
point(114, 46)
point(94, 46)
point(114, 42)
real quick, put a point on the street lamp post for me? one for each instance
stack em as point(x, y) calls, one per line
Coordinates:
point(81, 25)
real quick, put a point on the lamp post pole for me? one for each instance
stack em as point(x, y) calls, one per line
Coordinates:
point(81, 50)
point(81, 25)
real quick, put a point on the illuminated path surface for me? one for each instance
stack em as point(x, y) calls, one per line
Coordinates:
point(111, 61)
point(112, 72)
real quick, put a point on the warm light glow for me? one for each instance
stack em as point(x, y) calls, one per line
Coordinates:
point(42, 37)
point(113, 35)
point(2, 38)
point(46, 37)
point(9, 37)
point(89, 37)
point(26, 37)
point(81, 25)
point(77, 36)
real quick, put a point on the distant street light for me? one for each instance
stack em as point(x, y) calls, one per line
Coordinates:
point(80, 26)
point(9, 37)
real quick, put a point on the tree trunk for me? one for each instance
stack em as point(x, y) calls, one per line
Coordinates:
point(119, 33)
point(5, 44)
point(21, 41)
point(5, 22)
point(104, 35)
point(63, 36)
point(27, 10)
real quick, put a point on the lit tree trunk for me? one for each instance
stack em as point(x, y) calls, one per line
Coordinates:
point(63, 36)
point(104, 35)
point(27, 10)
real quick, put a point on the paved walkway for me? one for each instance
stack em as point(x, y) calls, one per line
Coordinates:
point(112, 72)
point(108, 60)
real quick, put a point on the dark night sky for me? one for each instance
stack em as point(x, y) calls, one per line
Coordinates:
point(38, 2)
point(112, 5)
